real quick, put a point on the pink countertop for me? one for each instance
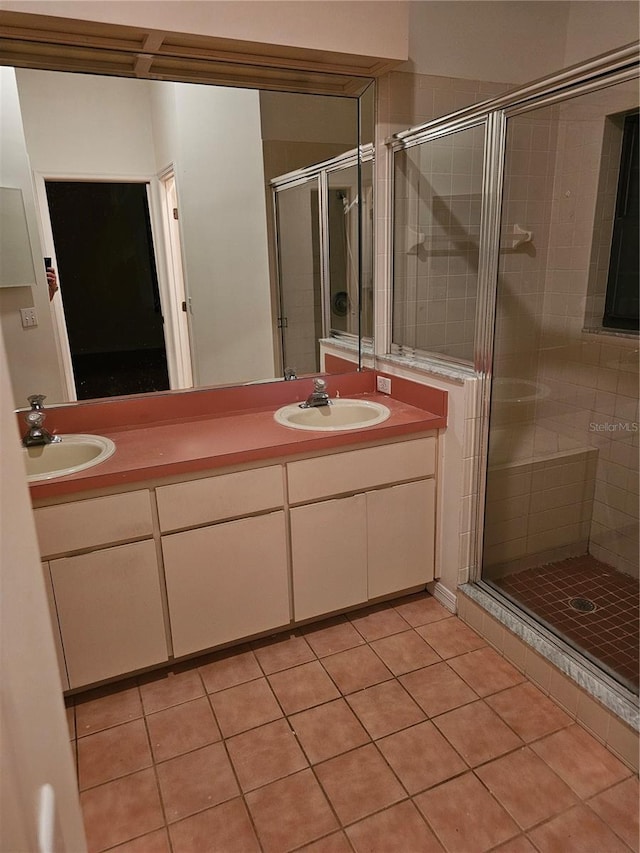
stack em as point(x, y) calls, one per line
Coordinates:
point(173, 434)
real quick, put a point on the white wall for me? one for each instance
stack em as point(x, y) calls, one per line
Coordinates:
point(597, 26)
point(217, 151)
point(35, 739)
point(32, 350)
point(509, 41)
point(80, 124)
point(513, 41)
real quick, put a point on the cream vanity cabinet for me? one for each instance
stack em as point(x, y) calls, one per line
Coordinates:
point(228, 577)
point(106, 588)
point(177, 568)
point(373, 537)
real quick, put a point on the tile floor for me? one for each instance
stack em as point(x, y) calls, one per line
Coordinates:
point(609, 634)
point(393, 730)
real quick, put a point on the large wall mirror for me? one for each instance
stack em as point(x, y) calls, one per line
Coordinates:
point(156, 202)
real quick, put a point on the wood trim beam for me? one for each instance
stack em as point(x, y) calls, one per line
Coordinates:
point(40, 41)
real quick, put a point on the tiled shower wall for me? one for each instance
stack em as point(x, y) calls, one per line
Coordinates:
point(552, 189)
point(593, 379)
point(405, 100)
point(538, 510)
point(559, 185)
point(521, 273)
point(437, 216)
point(438, 197)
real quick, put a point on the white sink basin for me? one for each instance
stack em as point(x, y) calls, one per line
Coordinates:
point(341, 414)
point(72, 454)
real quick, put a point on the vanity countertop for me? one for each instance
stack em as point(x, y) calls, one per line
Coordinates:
point(201, 442)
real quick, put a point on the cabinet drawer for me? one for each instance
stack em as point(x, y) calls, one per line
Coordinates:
point(94, 522)
point(218, 498)
point(359, 470)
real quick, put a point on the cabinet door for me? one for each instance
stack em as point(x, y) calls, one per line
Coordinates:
point(57, 641)
point(110, 611)
point(329, 556)
point(226, 581)
point(400, 532)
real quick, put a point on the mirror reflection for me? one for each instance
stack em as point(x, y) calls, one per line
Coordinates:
point(156, 204)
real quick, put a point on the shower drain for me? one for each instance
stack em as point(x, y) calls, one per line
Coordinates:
point(583, 605)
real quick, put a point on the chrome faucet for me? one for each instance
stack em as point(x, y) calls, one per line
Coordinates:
point(37, 434)
point(318, 396)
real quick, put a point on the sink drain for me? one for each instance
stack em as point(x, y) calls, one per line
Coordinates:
point(582, 605)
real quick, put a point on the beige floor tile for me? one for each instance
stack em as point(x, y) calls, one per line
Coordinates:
point(328, 730)
point(245, 707)
point(477, 733)
point(229, 824)
point(583, 763)
point(480, 824)
point(303, 687)
point(385, 708)
point(121, 810)
point(182, 728)
point(401, 827)
point(113, 752)
point(196, 781)
point(618, 808)
point(291, 812)
point(577, 831)
point(421, 757)
point(265, 754)
point(527, 788)
point(359, 783)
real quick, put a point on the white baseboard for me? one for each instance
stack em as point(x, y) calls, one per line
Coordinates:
point(443, 595)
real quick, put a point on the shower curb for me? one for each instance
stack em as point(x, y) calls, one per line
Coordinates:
point(562, 657)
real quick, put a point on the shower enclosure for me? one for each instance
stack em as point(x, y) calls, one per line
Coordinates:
point(516, 262)
point(324, 249)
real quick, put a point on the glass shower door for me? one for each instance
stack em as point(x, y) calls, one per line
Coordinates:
point(299, 259)
point(561, 516)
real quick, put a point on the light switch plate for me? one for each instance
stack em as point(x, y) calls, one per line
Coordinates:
point(28, 317)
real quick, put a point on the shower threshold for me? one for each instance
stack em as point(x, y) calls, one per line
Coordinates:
point(619, 699)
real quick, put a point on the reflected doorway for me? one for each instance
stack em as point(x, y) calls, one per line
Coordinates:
point(109, 286)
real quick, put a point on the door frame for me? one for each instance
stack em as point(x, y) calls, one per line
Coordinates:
point(174, 342)
point(172, 245)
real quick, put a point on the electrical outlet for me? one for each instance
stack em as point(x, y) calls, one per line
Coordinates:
point(29, 317)
point(383, 384)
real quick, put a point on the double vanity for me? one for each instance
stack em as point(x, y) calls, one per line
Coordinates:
point(214, 522)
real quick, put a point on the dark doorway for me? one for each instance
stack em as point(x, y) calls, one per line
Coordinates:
point(109, 285)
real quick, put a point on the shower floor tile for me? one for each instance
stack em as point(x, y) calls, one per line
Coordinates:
point(609, 633)
point(385, 766)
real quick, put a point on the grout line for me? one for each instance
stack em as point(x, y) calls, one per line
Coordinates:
point(371, 742)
